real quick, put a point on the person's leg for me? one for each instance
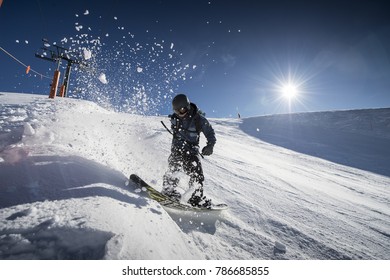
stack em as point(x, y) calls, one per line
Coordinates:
point(170, 181)
point(193, 167)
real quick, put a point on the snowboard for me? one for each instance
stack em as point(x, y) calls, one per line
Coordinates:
point(167, 201)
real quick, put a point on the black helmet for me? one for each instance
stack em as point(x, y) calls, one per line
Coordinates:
point(181, 104)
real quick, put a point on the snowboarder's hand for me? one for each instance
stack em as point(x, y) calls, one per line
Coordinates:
point(207, 150)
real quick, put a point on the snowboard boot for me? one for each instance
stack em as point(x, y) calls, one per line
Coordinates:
point(169, 188)
point(172, 193)
point(205, 203)
point(198, 200)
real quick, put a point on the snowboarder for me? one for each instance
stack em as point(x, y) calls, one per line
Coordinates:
point(186, 123)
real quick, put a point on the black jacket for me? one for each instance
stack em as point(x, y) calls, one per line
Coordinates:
point(186, 131)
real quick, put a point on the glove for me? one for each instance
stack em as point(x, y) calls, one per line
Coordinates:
point(207, 150)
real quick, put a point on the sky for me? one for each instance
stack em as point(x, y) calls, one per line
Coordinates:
point(229, 57)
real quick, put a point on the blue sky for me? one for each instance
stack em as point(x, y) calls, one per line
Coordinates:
point(227, 56)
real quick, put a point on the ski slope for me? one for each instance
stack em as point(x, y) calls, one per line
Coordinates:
point(302, 186)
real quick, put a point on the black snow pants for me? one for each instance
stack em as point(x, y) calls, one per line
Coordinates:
point(189, 163)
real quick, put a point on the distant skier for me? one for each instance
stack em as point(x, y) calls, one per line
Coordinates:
point(186, 123)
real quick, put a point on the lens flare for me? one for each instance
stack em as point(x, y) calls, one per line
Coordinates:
point(289, 91)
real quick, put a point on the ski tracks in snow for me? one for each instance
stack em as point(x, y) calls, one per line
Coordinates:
point(285, 205)
point(72, 157)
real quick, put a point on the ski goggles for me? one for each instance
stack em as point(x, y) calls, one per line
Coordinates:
point(181, 112)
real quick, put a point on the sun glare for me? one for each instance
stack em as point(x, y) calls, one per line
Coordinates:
point(289, 91)
point(287, 83)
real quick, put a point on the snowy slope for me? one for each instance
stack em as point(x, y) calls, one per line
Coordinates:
point(297, 186)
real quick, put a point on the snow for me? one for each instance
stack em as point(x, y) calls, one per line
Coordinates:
point(102, 78)
point(87, 54)
point(78, 27)
point(113, 72)
point(301, 186)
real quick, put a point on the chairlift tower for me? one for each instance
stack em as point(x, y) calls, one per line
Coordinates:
point(57, 54)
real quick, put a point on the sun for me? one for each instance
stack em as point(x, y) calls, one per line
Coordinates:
point(289, 91)
point(287, 84)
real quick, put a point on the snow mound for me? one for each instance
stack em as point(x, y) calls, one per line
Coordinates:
point(58, 201)
point(355, 138)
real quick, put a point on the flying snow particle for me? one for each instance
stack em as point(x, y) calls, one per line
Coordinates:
point(26, 42)
point(17, 41)
point(86, 12)
point(79, 27)
point(87, 54)
point(102, 78)
point(139, 69)
point(115, 18)
point(172, 46)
